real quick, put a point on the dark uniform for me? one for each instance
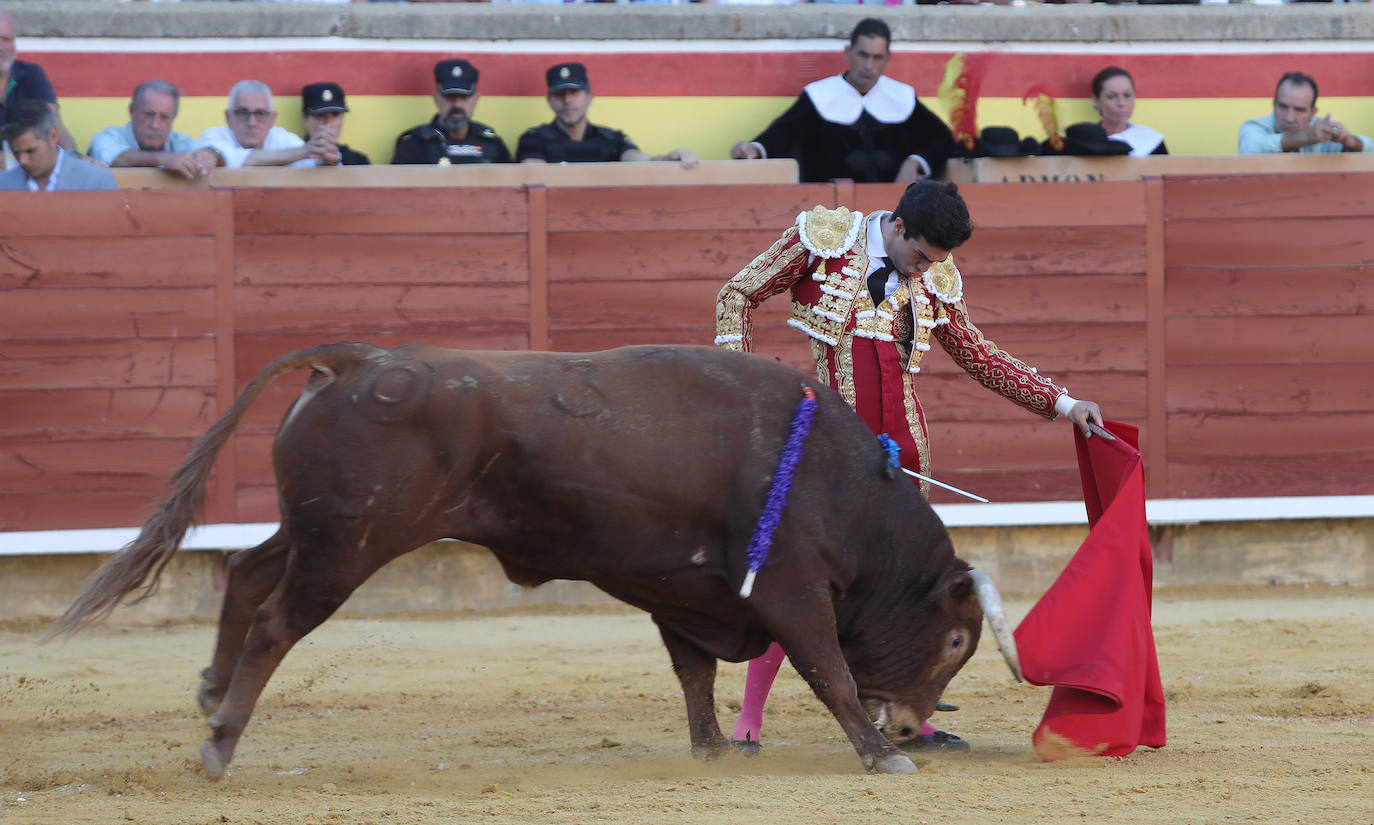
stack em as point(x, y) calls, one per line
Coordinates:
point(552, 144)
point(318, 98)
point(352, 157)
point(27, 82)
point(431, 144)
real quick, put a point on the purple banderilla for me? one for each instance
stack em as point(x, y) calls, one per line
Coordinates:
point(762, 539)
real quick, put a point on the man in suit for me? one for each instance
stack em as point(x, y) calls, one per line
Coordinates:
point(43, 165)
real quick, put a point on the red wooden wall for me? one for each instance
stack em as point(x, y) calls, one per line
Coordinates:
point(1228, 317)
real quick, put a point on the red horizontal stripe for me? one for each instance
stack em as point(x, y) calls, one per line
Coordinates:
point(724, 74)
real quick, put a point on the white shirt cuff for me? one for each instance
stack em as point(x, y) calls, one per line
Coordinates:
point(921, 162)
point(763, 153)
point(1064, 403)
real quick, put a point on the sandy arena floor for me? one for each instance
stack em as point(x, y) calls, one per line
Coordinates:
point(576, 717)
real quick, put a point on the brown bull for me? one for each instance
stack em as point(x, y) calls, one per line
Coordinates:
point(641, 470)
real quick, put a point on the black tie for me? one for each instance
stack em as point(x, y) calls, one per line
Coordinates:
point(877, 282)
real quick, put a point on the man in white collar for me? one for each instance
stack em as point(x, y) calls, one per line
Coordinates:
point(874, 292)
point(860, 124)
point(43, 165)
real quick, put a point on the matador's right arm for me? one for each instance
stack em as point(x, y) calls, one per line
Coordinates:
point(776, 270)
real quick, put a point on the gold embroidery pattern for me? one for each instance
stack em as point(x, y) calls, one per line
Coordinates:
point(843, 281)
point(772, 272)
point(993, 367)
point(829, 233)
point(944, 281)
point(916, 423)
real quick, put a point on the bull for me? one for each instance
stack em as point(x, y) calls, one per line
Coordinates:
point(642, 470)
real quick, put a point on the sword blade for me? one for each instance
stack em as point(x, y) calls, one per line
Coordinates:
point(946, 486)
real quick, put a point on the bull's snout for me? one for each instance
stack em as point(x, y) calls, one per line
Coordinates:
point(894, 720)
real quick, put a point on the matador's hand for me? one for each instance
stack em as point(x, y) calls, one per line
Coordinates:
point(1083, 412)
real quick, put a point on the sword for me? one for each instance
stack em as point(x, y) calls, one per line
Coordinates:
point(1098, 431)
point(948, 486)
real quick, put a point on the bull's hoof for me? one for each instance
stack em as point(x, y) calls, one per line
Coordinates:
point(894, 763)
point(208, 700)
point(747, 746)
point(213, 761)
point(711, 749)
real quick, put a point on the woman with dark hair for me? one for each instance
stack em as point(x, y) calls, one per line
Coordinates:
point(1114, 100)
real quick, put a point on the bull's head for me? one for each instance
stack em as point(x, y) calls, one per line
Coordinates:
point(953, 614)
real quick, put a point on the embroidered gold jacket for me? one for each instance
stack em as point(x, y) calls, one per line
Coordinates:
point(823, 260)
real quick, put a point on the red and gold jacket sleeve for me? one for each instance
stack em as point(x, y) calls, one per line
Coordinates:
point(776, 270)
point(992, 366)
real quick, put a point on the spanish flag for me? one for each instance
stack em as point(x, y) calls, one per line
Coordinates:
point(1090, 636)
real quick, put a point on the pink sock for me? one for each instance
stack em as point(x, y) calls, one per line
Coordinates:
point(757, 682)
point(927, 729)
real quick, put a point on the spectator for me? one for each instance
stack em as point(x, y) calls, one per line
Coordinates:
point(570, 138)
point(44, 165)
point(452, 136)
point(1088, 139)
point(22, 81)
point(1291, 127)
point(860, 124)
point(1114, 100)
point(323, 107)
point(148, 140)
point(250, 137)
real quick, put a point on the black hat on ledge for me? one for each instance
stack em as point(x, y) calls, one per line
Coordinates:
point(1088, 139)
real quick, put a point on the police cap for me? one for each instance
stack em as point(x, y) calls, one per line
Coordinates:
point(567, 76)
point(455, 77)
point(323, 97)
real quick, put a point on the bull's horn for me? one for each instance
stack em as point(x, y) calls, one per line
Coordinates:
point(991, 602)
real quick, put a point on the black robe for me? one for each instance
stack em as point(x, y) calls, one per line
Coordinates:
point(863, 147)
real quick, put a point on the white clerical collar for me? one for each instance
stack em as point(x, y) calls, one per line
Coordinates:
point(889, 101)
point(1142, 139)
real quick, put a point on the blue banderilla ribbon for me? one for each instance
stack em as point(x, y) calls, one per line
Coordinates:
point(771, 516)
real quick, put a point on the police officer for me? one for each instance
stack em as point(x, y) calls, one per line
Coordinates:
point(323, 107)
point(452, 136)
point(570, 138)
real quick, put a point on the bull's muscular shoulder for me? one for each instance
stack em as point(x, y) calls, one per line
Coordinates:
point(829, 233)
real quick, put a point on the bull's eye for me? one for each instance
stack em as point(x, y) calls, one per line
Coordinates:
point(956, 641)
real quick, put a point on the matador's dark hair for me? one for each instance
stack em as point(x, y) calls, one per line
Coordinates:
point(935, 210)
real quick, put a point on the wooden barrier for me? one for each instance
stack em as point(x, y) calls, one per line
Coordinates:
point(1077, 169)
point(658, 173)
point(1228, 316)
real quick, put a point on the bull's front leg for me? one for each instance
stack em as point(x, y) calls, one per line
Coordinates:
point(814, 650)
point(696, 670)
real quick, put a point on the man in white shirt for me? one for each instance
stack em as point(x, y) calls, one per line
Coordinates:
point(252, 138)
point(148, 140)
point(43, 165)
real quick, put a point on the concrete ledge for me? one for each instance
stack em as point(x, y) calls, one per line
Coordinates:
point(453, 576)
point(481, 21)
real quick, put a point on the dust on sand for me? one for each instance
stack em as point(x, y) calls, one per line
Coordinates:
point(576, 717)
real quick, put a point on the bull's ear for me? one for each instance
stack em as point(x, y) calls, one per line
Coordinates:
point(959, 590)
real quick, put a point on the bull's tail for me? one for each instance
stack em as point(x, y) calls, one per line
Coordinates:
point(139, 564)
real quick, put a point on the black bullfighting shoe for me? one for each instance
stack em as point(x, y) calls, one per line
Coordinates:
point(937, 741)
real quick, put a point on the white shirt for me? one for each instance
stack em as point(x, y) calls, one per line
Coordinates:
point(222, 140)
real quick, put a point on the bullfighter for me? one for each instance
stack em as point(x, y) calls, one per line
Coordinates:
point(872, 292)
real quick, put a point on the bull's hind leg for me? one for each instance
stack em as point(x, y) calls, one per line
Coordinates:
point(316, 582)
point(696, 670)
point(251, 576)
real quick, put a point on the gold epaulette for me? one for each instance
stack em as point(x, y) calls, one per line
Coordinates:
point(829, 233)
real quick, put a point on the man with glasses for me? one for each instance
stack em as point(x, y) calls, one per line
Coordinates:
point(872, 291)
point(251, 138)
